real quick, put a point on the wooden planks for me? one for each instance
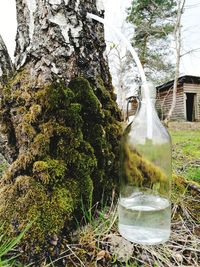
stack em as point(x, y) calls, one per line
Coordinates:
point(164, 102)
point(194, 88)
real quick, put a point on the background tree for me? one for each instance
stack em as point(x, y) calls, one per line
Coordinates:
point(154, 22)
point(178, 46)
point(59, 114)
point(123, 70)
point(122, 67)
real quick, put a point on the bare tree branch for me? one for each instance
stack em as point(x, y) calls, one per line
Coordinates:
point(190, 52)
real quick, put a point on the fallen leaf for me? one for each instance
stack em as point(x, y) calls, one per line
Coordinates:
point(101, 255)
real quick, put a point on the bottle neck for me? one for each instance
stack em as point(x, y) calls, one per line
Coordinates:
point(147, 109)
point(146, 101)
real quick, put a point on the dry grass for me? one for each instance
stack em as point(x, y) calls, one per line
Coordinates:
point(184, 126)
point(99, 244)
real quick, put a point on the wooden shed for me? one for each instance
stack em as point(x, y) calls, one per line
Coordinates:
point(187, 102)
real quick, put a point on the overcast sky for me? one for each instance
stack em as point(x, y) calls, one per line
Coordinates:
point(115, 11)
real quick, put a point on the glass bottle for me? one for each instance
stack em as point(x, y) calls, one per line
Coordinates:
point(145, 176)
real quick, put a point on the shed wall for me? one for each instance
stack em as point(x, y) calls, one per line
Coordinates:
point(164, 101)
point(194, 88)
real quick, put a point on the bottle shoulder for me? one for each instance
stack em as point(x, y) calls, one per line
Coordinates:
point(137, 131)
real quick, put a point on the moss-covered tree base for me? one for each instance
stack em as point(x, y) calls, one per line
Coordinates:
point(66, 141)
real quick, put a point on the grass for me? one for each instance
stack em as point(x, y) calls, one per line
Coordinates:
point(98, 243)
point(8, 256)
point(186, 153)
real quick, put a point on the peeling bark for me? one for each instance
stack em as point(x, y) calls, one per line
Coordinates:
point(56, 40)
point(6, 66)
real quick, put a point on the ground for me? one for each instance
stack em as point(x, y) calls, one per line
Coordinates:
point(98, 244)
point(186, 149)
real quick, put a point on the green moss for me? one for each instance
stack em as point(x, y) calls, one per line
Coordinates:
point(68, 140)
point(40, 171)
point(48, 213)
point(108, 100)
point(3, 167)
point(58, 97)
point(40, 166)
point(32, 115)
point(62, 197)
point(73, 116)
point(56, 170)
point(92, 112)
point(40, 145)
point(26, 131)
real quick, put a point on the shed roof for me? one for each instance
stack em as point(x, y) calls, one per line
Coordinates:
point(183, 79)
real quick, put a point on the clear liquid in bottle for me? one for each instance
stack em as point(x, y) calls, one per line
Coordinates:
point(144, 219)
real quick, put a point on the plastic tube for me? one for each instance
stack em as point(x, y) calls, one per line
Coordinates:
point(140, 69)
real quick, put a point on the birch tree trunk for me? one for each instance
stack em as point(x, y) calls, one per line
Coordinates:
point(6, 66)
point(60, 113)
point(6, 71)
point(55, 39)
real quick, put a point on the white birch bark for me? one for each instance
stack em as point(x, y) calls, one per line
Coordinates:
point(56, 40)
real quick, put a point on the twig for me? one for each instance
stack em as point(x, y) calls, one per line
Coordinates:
point(82, 264)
